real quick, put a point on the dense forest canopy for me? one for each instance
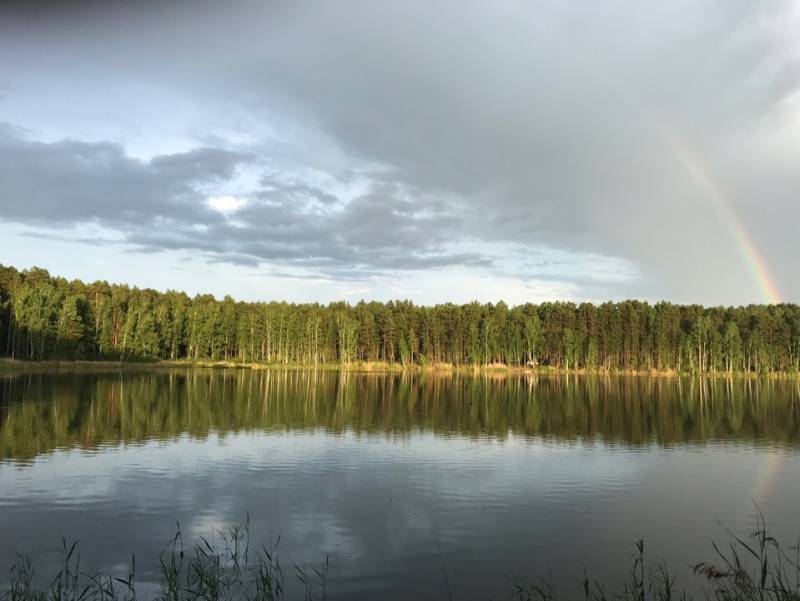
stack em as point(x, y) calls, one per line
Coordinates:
point(44, 317)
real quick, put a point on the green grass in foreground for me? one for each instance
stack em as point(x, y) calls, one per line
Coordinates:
point(228, 569)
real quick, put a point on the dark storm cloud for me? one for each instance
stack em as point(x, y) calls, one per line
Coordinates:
point(157, 205)
point(70, 182)
point(369, 235)
point(278, 190)
point(198, 165)
point(549, 123)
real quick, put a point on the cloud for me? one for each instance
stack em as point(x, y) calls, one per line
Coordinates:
point(161, 205)
point(374, 136)
point(227, 205)
point(71, 181)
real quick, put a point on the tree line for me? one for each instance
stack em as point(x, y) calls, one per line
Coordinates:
point(47, 317)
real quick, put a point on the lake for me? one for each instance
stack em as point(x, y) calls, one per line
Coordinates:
point(398, 478)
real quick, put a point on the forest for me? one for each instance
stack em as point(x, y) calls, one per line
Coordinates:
point(47, 317)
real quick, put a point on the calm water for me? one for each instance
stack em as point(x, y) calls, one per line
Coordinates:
point(391, 475)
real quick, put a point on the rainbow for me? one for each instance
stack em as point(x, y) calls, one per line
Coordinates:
point(712, 191)
point(700, 174)
point(767, 476)
point(747, 249)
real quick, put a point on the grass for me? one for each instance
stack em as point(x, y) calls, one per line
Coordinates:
point(227, 568)
point(16, 365)
point(223, 568)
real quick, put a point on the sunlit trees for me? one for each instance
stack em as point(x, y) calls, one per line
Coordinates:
point(732, 347)
point(45, 317)
point(531, 331)
point(35, 309)
point(70, 329)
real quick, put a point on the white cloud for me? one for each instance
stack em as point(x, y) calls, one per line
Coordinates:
point(226, 205)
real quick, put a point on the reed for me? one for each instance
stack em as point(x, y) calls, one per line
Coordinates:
point(227, 567)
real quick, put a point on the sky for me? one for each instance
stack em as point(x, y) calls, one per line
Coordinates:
point(433, 151)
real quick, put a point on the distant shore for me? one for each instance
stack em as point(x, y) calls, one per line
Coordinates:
point(16, 365)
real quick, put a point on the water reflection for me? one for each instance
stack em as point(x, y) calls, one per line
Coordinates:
point(390, 474)
point(40, 413)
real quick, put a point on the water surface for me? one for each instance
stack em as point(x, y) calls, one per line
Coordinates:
point(393, 476)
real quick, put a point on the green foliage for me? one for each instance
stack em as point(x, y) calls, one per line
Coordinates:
point(44, 317)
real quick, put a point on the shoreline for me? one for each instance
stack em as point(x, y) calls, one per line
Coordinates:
point(16, 365)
